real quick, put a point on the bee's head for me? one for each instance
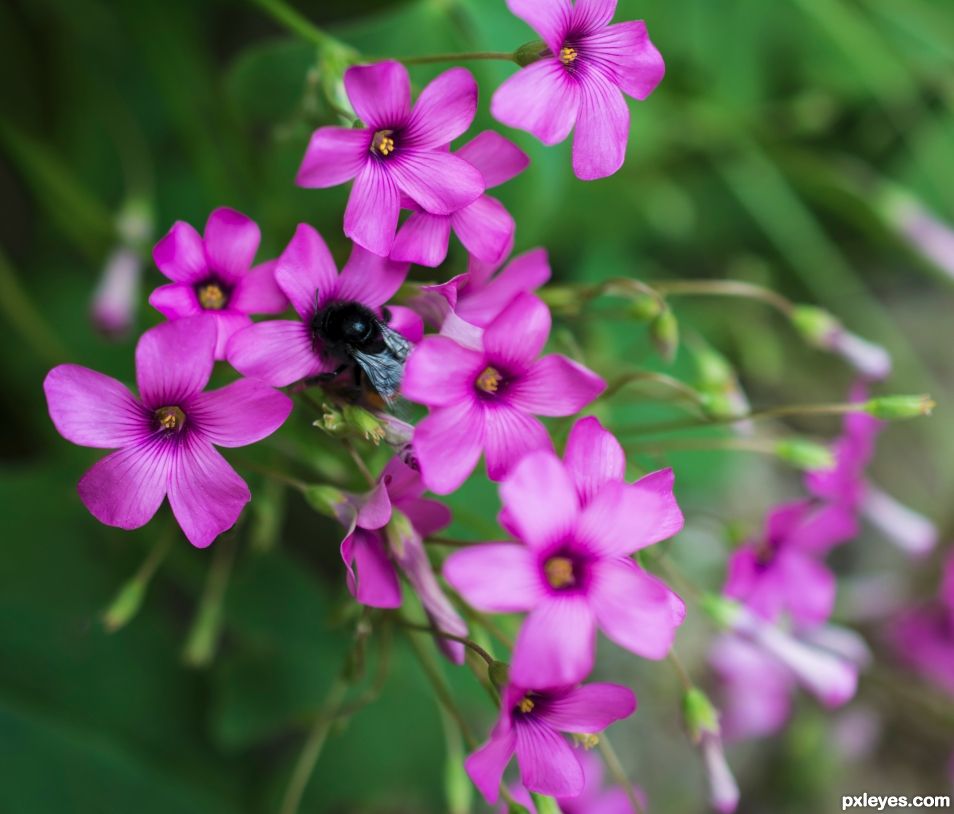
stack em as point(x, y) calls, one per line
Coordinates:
point(345, 323)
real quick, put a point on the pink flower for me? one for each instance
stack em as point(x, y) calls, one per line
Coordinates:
point(116, 298)
point(484, 397)
point(776, 575)
point(399, 152)
point(283, 351)
point(164, 439)
point(387, 527)
point(578, 81)
point(479, 296)
point(530, 724)
point(484, 226)
point(212, 275)
point(578, 523)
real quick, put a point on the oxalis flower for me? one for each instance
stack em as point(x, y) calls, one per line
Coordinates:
point(386, 529)
point(164, 439)
point(577, 523)
point(484, 226)
point(484, 397)
point(212, 275)
point(580, 79)
point(529, 726)
point(398, 152)
point(281, 352)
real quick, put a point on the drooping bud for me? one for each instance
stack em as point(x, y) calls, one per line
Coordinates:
point(911, 531)
point(664, 333)
point(327, 500)
point(699, 714)
point(924, 231)
point(723, 788)
point(822, 330)
point(645, 306)
point(895, 407)
point(805, 454)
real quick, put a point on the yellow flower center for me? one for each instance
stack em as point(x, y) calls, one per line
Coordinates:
point(526, 704)
point(489, 380)
point(170, 418)
point(568, 54)
point(559, 572)
point(587, 740)
point(212, 297)
point(383, 142)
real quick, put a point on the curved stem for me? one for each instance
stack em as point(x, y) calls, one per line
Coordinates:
point(725, 288)
point(201, 644)
point(618, 773)
point(462, 57)
point(663, 379)
point(470, 645)
point(295, 22)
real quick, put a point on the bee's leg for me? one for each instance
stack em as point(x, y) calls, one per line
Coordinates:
point(325, 378)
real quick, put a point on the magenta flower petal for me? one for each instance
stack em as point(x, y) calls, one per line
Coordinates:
point(634, 609)
point(556, 386)
point(541, 99)
point(227, 325)
point(126, 488)
point(439, 372)
point(509, 436)
point(376, 582)
point(486, 229)
point(541, 502)
point(306, 271)
point(495, 577)
point(443, 111)
point(602, 129)
point(592, 14)
point(486, 766)
point(238, 414)
point(334, 155)
point(374, 206)
point(205, 493)
point(93, 410)
point(174, 360)
point(516, 337)
point(427, 516)
point(810, 591)
point(593, 457)
point(497, 158)
point(231, 241)
point(526, 272)
point(406, 322)
point(423, 239)
point(258, 293)
point(629, 57)
point(448, 444)
point(556, 644)
point(438, 182)
point(551, 19)
point(588, 708)
point(278, 352)
point(369, 278)
point(176, 301)
point(380, 93)
point(547, 763)
point(180, 255)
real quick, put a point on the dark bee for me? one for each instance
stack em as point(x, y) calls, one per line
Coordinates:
point(357, 339)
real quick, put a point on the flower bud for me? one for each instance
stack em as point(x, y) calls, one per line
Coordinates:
point(804, 454)
point(892, 407)
point(326, 500)
point(911, 531)
point(664, 333)
point(125, 606)
point(699, 714)
point(723, 788)
point(363, 423)
point(530, 52)
point(645, 306)
point(822, 330)
point(722, 611)
point(499, 673)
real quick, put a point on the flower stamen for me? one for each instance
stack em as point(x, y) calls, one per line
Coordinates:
point(568, 54)
point(170, 418)
point(559, 572)
point(212, 297)
point(489, 380)
point(383, 142)
point(526, 705)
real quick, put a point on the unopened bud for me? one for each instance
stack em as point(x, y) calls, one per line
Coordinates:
point(813, 323)
point(804, 454)
point(125, 606)
point(364, 423)
point(499, 672)
point(664, 332)
point(699, 714)
point(530, 52)
point(645, 306)
point(722, 611)
point(326, 500)
point(893, 407)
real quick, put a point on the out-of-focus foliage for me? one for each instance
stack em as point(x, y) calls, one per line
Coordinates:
point(766, 155)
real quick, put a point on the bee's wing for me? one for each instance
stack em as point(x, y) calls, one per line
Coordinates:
point(398, 346)
point(382, 370)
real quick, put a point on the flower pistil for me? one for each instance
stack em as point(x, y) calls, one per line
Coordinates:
point(170, 418)
point(383, 142)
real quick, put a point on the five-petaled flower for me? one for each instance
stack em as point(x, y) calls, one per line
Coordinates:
point(530, 724)
point(484, 396)
point(281, 352)
point(399, 152)
point(485, 227)
point(577, 523)
point(164, 439)
point(580, 80)
point(212, 275)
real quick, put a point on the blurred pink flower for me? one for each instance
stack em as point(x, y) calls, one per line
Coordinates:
point(212, 275)
point(579, 80)
point(165, 437)
point(529, 726)
point(399, 152)
point(577, 523)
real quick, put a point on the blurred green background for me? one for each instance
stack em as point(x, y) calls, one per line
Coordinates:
point(772, 152)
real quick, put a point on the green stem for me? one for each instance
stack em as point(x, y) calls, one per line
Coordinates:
point(295, 22)
point(462, 57)
point(471, 645)
point(680, 670)
point(204, 635)
point(129, 598)
point(311, 751)
point(618, 773)
point(725, 288)
point(26, 319)
point(669, 382)
point(760, 445)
